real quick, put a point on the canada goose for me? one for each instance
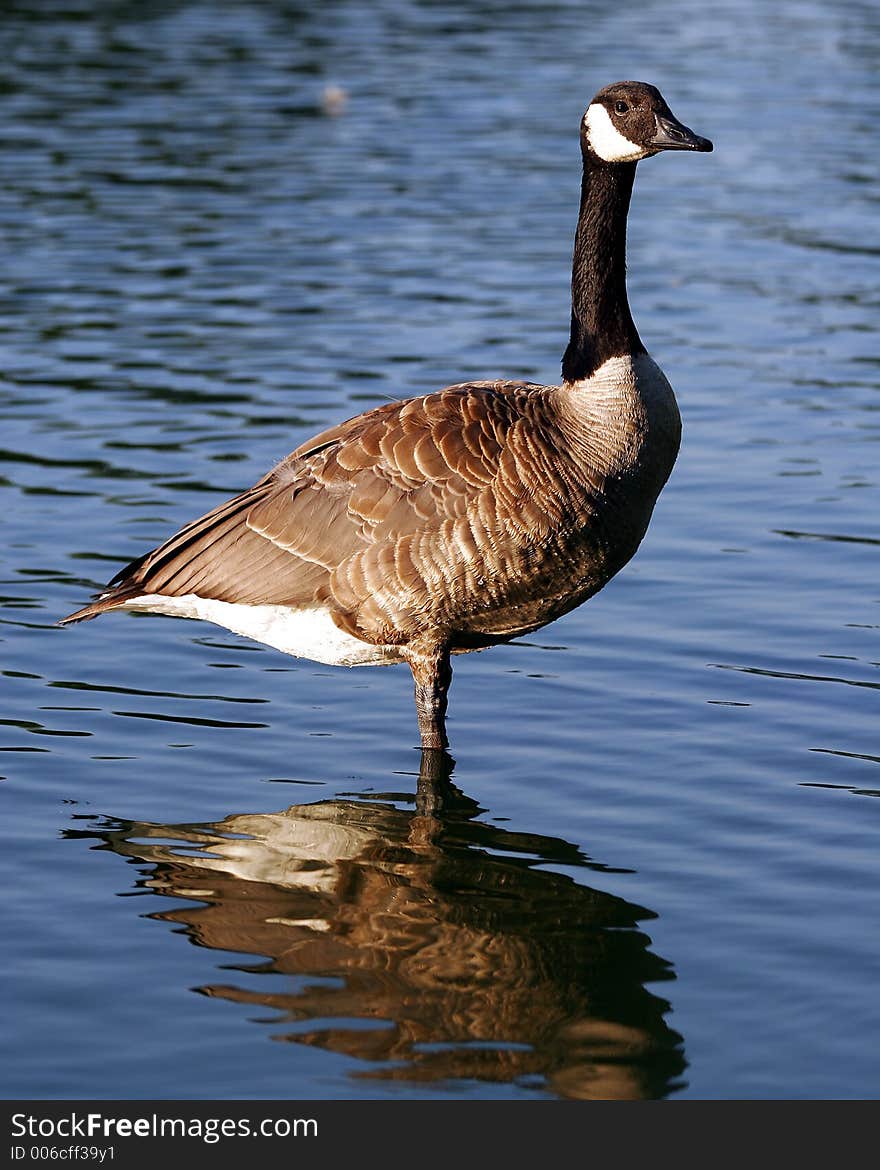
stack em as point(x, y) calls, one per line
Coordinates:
point(477, 514)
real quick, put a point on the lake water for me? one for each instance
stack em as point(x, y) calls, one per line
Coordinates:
point(657, 874)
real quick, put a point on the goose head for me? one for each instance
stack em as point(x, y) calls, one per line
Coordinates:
point(630, 120)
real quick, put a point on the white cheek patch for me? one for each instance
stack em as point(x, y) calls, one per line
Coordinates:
point(606, 141)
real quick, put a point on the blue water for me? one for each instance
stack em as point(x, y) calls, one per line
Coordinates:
point(657, 875)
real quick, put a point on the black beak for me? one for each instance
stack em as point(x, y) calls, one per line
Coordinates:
point(672, 135)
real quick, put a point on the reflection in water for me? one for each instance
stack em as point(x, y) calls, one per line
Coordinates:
point(427, 943)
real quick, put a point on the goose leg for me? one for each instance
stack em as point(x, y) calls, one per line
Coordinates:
point(432, 674)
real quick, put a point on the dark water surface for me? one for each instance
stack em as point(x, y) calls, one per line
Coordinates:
point(657, 875)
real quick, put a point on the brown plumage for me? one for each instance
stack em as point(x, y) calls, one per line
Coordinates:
point(458, 520)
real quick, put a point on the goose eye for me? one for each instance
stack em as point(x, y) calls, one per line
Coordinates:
point(620, 107)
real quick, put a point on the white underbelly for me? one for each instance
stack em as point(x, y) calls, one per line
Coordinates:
point(305, 633)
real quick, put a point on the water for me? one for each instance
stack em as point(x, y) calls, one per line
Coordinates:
point(656, 875)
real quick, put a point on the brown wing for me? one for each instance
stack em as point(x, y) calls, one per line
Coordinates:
point(392, 519)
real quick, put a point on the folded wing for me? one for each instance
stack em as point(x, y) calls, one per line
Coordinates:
point(395, 520)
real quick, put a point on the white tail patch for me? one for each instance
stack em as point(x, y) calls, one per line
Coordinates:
point(304, 633)
point(606, 141)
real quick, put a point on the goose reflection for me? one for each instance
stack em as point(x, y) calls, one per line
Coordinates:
point(429, 944)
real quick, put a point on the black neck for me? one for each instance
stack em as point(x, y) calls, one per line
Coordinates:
point(601, 324)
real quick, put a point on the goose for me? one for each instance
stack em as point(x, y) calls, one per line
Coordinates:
point(451, 522)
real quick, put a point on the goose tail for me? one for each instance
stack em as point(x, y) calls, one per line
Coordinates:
point(102, 603)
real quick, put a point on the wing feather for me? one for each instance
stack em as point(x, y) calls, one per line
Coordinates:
point(399, 520)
